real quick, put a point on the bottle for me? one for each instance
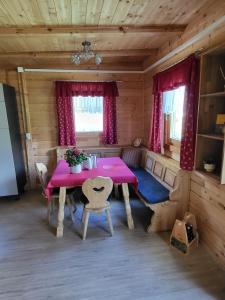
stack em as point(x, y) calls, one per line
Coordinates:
point(189, 229)
point(87, 164)
point(94, 161)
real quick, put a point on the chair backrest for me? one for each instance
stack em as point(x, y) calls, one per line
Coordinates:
point(97, 191)
point(42, 173)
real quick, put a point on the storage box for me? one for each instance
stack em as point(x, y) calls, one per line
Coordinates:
point(180, 239)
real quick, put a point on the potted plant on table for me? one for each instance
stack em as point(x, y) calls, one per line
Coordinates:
point(75, 158)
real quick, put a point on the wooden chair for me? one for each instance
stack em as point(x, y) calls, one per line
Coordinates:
point(42, 173)
point(97, 191)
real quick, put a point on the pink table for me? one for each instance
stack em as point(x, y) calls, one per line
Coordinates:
point(112, 167)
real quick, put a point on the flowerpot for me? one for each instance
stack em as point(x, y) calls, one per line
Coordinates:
point(75, 169)
point(209, 167)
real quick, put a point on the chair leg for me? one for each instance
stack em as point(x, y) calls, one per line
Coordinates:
point(109, 220)
point(70, 208)
point(83, 215)
point(86, 218)
point(49, 214)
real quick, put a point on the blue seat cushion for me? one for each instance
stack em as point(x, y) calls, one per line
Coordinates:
point(149, 188)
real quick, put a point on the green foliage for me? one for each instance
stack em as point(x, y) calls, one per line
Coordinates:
point(74, 157)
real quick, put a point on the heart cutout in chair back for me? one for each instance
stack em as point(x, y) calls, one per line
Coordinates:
point(98, 189)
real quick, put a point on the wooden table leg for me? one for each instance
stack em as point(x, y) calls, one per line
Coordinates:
point(62, 198)
point(125, 190)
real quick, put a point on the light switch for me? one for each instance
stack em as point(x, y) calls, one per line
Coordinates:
point(28, 136)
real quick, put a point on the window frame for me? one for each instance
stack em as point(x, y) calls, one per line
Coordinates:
point(87, 134)
point(171, 147)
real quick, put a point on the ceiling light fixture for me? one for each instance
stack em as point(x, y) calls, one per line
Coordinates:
point(86, 54)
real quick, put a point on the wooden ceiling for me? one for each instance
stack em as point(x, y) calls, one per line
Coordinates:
point(44, 33)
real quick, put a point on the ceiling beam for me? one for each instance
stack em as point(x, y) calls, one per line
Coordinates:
point(27, 30)
point(190, 42)
point(66, 54)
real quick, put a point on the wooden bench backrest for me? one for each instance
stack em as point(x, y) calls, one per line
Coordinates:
point(169, 174)
point(162, 172)
point(98, 151)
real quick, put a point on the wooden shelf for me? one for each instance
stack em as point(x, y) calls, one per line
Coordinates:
point(212, 136)
point(210, 144)
point(219, 94)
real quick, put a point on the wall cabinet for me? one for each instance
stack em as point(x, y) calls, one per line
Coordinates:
point(12, 170)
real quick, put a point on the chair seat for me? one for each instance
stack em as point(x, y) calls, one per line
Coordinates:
point(149, 188)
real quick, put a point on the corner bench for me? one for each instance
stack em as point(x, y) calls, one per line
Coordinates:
point(163, 187)
point(150, 189)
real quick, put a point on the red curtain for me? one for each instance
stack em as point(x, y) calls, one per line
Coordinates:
point(184, 73)
point(109, 121)
point(65, 90)
point(156, 126)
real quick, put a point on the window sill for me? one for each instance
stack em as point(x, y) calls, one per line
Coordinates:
point(172, 154)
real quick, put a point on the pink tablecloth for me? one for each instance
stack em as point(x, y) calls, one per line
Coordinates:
point(112, 167)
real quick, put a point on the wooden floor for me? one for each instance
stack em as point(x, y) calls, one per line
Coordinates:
point(34, 264)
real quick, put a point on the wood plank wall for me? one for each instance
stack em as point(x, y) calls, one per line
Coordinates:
point(207, 202)
point(148, 84)
point(207, 199)
point(42, 109)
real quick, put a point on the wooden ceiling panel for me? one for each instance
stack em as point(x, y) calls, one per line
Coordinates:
point(137, 12)
point(128, 63)
point(97, 12)
point(73, 43)
point(93, 12)
point(78, 8)
point(32, 12)
point(48, 12)
point(121, 12)
point(14, 11)
point(5, 19)
point(108, 11)
point(63, 11)
point(163, 11)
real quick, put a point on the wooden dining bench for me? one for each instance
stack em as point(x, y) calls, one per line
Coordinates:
point(163, 187)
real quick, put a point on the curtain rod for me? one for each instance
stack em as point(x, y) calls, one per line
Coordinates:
point(92, 80)
point(196, 53)
point(21, 70)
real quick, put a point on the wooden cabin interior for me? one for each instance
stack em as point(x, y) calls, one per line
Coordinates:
point(112, 177)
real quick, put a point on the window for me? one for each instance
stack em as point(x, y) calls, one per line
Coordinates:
point(88, 114)
point(173, 102)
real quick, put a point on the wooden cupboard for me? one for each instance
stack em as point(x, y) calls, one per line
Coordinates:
point(210, 139)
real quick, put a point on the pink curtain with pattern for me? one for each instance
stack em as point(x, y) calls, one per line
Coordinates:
point(184, 73)
point(156, 126)
point(66, 125)
point(109, 135)
point(65, 90)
